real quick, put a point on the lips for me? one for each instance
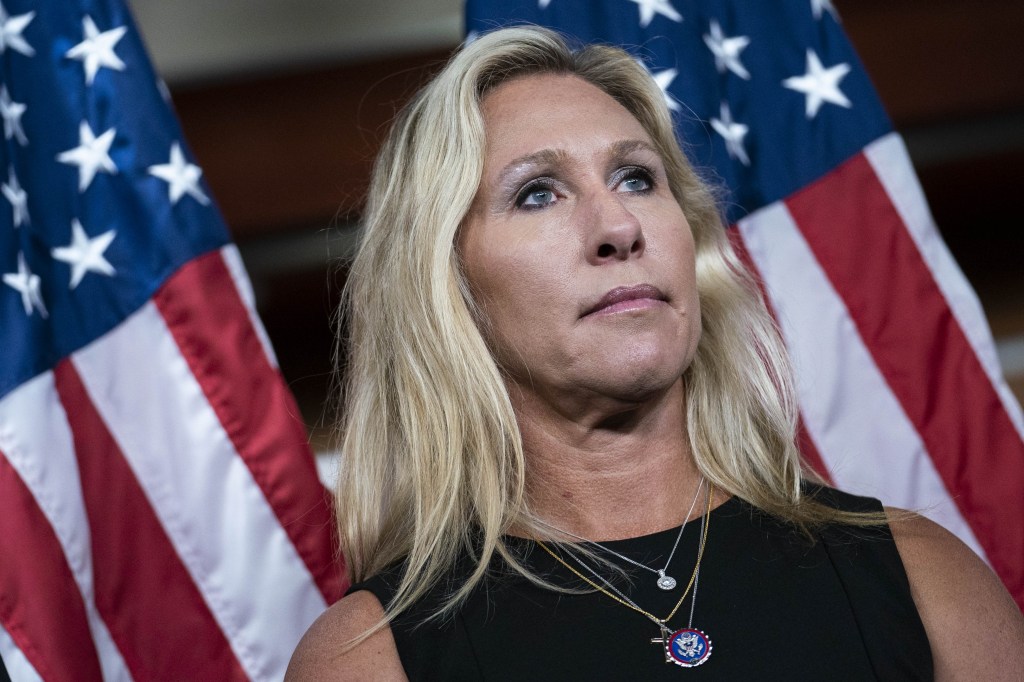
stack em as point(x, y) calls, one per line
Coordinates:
point(624, 295)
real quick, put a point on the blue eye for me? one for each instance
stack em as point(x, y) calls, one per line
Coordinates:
point(636, 185)
point(539, 198)
point(636, 180)
point(536, 195)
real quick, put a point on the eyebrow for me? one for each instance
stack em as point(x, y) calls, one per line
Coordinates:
point(545, 157)
point(624, 147)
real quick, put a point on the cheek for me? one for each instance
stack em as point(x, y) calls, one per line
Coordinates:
point(680, 249)
point(508, 270)
point(518, 291)
point(696, 327)
point(692, 295)
point(517, 288)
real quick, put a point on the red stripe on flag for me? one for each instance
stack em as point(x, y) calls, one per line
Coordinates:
point(254, 406)
point(33, 570)
point(154, 611)
point(857, 235)
point(812, 457)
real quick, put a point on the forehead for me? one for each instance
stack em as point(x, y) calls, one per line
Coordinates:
point(549, 111)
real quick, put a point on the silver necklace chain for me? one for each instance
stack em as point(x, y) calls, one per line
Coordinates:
point(661, 624)
point(686, 647)
point(665, 581)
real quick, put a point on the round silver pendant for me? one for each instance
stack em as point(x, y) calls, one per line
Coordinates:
point(666, 582)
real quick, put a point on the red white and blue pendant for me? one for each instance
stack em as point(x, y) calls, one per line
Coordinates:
point(687, 647)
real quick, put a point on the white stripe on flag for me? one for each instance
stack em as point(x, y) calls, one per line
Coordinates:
point(41, 451)
point(860, 429)
point(233, 261)
point(17, 665)
point(213, 511)
point(891, 163)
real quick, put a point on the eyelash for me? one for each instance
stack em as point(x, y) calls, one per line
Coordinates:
point(535, 185)
point(637, 173)
point(546, 184)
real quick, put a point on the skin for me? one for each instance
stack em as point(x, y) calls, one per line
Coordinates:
point(574, 204)
point(975, 629)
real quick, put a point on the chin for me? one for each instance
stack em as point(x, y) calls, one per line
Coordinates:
point(639, 378)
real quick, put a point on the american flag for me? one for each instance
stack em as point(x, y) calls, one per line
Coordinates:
point(160, 513)
point(900, 388)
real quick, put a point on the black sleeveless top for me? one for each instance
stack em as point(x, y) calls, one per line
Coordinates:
point(774, 605)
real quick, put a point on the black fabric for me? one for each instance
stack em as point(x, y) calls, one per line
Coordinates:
point(775, 606)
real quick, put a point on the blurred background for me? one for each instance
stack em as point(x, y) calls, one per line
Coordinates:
point(284, 103)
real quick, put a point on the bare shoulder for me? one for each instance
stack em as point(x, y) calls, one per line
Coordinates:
point(960, 601)
point(322, 654)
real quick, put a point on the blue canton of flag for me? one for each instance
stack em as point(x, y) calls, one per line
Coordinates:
point(900, 389)
point(103, 203)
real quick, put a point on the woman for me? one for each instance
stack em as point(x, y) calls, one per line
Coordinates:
point(554, 362)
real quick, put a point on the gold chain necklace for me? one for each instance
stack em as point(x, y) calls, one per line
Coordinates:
point(686, 647)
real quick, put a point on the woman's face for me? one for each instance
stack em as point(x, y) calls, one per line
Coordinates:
point(576, 250)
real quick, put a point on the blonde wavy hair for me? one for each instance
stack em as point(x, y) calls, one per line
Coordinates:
point(432, 465)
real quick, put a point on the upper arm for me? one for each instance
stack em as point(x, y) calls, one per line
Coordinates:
point(323, 653)
point(975, 629)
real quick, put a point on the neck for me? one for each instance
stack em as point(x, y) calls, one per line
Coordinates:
point(612, 474)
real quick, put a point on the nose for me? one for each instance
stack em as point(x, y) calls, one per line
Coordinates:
point(615, 233)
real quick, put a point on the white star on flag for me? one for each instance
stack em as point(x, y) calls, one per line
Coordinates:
point(10, 32)
point(733, 134)
point(818, 7)
point(18, 198)
point(12, 112)
point(97, 50)
point(664, 79)
point(727, 50)
point(182, 177)
point(91, 155)
point(27, 284)
point(819, 84)
point(84, 254)
point(648, 8)
point(543, 4)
